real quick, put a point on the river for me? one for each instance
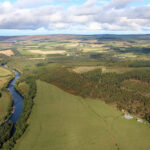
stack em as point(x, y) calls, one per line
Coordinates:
point(17, 99)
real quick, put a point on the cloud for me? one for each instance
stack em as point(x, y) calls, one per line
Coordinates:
point(92, 26)
point(90, 16)
point(119, 3)
point(33, 3)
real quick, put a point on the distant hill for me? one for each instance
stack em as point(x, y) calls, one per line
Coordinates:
point(103, 37)
point(37, 37)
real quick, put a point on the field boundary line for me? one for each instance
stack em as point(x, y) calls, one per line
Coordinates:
point(104, 121)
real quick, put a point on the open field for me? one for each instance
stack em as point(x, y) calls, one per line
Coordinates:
point(3, 81)
point(61, 121)
point(7, 52)
point(85, 68)
point(5, 102)
point(4, 77)
point(4, 72)
point(47, 52)
point(104, 69)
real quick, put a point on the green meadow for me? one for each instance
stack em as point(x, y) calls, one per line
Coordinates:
point(5, 102)
point(4, 72)
point(61, 121)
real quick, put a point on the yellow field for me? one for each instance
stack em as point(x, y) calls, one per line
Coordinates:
point(4, 72)
point(3, 81)
point(7, 52)
point(47, 52)
point(83, 69)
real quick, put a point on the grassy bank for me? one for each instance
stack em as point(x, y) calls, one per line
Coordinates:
point(5, 98)
point(5, 105)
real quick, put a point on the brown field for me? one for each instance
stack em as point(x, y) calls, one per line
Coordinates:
point(85, 69)
point(3, 45)
point(7, 52)
point(47, 52)
point(36, 58)
point(104, 69)
point(72, 44)
point(97, 45)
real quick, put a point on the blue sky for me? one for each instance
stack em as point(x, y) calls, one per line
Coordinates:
point(34, 17)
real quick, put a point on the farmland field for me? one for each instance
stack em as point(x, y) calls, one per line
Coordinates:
point(4, 72)
point(63, 121)
point(7, 52)
point(104, 69)
point(5, 102)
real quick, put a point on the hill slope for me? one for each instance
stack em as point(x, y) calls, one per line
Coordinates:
point(61, 121)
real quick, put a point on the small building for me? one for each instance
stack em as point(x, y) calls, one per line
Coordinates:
point(128, 116)
point(139, 120)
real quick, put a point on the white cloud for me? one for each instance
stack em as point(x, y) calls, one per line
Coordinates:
point(112, 16)
point(92, 26)
point(120, 3)
point(33, 3)
point(59, 26)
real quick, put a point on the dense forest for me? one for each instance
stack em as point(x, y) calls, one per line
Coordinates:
point(105, 86)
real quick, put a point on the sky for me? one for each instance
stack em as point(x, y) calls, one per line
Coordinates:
point(37, 17)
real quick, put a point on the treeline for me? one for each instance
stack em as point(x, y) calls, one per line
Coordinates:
point(136, 50)
point(106, 86)
point(140, 64)
point(6, 127)
point(5, 132)
point(22, 123)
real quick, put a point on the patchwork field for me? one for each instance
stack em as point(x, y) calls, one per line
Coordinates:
point(61, 121)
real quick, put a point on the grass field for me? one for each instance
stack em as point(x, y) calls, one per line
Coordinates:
point(4, 72)
point(4, 76)
point(82, 69)
point(5, 101)
point(61, 121)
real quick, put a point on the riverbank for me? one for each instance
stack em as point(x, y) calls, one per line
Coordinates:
point(15, 108)
point(6, 101)
point(22, 110)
